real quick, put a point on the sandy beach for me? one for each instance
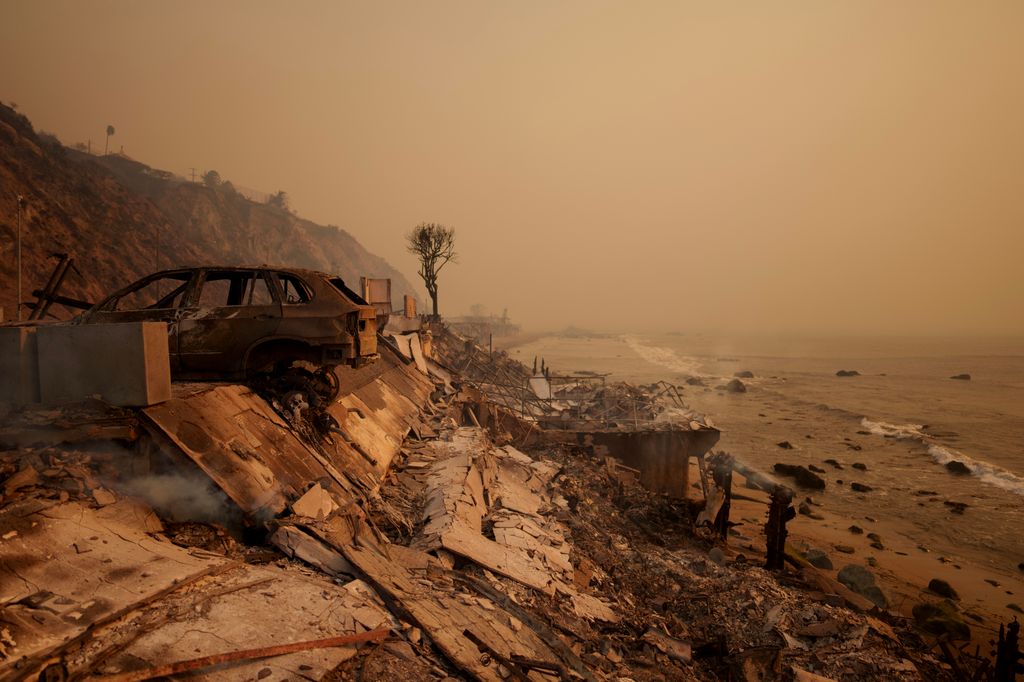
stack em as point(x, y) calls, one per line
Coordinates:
point(904, 526)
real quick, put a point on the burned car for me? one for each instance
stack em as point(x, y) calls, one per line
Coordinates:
point(238, 322)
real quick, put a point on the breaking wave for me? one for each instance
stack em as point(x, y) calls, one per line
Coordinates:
point(903, 431)
point(664, 357)
point(984, 471)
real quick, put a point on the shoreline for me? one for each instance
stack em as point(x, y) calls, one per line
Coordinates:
point(905, 558)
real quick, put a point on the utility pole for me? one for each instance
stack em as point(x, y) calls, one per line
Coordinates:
point(193, 175)
point(17, 303)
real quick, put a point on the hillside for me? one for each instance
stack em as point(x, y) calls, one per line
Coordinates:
point(122, 219)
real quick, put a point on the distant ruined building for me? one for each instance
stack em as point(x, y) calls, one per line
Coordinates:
point(481, 327)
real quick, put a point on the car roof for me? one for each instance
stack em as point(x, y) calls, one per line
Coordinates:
point(245, 268)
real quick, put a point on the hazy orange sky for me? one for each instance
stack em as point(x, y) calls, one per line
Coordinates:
point(789, 166)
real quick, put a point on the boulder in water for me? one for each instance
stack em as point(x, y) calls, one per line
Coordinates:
point(847, 373)
point(961, 377)
point(735, 386)
point(860, 487)
point(957, 467)
point(745, 374)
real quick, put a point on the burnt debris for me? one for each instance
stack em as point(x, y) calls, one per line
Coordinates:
point(442, 512)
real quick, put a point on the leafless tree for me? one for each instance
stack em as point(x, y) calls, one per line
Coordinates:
point(434, 245)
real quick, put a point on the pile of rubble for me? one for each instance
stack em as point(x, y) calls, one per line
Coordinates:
point(580, 401)
point(740, 621)
point(212, 533)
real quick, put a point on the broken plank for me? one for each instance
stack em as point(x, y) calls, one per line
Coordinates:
point(498, 558)
point(445, 617)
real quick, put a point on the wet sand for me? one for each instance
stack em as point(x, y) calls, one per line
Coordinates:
point(922, 537)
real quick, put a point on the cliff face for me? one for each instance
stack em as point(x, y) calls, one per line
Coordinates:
point(121, 219)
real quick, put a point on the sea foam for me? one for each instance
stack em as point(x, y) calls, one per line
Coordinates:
point(985, 471)
point(663, 357)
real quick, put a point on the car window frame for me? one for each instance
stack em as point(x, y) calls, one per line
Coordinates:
point(108, 305)
point(310, 291)
point(275, 293)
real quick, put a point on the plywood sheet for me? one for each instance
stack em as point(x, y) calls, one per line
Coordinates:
point(68, 566)
point(238, 440)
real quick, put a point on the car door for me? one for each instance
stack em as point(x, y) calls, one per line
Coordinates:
point(230, 310)
point(157, 298)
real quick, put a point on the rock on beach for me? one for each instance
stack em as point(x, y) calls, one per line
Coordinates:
point(862, 581)
point(803, 476)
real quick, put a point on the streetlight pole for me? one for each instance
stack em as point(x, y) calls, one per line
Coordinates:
point(17, 304)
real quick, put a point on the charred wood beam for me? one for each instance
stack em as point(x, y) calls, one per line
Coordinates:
point(780, 512)
point(67, 301)
point(45, 297)
point(1008, 654)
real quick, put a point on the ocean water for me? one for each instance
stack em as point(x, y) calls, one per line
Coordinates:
point(904, 390)
point(903, 417)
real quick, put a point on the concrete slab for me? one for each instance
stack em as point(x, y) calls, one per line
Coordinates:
point(126, 364)
point(661, 456)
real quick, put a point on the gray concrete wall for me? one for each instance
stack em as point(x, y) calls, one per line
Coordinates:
point(19, 365)
point(125, 364)
point(662, 457)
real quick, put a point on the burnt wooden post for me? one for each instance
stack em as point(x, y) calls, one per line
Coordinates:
point(780, 512)
point(1008, 656)
point(721, 473)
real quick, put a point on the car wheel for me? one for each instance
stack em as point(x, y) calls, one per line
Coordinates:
point(326, 383)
